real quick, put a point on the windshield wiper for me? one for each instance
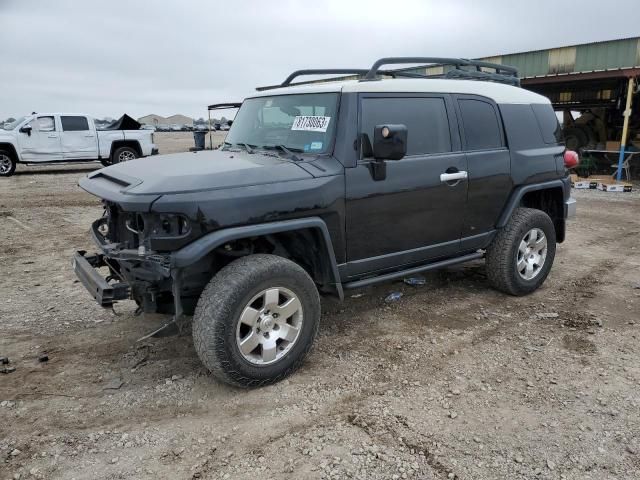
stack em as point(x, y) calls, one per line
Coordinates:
point(249, 148)
point(286, 150)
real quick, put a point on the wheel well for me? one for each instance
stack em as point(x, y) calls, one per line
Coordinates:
point(10, 149)
point(126, 143)
point(306, 247)
point(550, 201)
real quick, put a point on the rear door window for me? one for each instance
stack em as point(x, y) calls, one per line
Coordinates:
point(425, 117)
point(548, 122)
point(74, 124)
point(482, 128)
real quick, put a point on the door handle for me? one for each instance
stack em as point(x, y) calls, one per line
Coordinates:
point(449, 177)
point(53, 136)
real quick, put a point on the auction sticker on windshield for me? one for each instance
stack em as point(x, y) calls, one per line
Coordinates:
point(311, 123)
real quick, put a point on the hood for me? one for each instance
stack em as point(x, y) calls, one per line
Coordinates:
point(151, 177)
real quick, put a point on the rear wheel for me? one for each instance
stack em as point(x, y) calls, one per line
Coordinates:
point(256, 320)
point(7, 164)
point(575, 138)
point(123, 154)
point(521, 255)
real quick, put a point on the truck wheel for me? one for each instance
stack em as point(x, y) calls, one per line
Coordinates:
point(521, 254)
point(256, 320)
point(7, 164)
point(123, 154)
point(575, 138)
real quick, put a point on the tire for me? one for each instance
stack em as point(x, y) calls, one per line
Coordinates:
point(238, 290)
point(575, 138)
point(7, 164)
point(123, 154)
point(507, 256)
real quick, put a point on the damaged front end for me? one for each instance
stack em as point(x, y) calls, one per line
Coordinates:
point(135, 268)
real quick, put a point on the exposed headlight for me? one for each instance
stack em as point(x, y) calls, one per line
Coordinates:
point(170, 225)
point(103, 229)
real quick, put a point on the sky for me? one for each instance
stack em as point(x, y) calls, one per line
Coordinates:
point(140, 57)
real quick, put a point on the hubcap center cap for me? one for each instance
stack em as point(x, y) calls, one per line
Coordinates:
point(266, 323)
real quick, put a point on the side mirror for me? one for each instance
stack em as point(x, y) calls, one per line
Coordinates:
point(389, 142)
point(26, 129)
point(230, 122)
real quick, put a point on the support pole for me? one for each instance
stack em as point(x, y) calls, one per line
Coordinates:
point(625, 128)
point(210, 138)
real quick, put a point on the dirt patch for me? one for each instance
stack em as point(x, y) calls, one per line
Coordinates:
point(579, 344)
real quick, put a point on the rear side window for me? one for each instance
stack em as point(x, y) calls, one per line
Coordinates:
point(426, 120)
point(481, 125)
point(74, 124)
point(549, 125)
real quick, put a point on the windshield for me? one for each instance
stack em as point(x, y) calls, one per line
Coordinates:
point(300, 123)
point(12, 125)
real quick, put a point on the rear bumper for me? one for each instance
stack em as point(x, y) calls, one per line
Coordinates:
point(105, 293)
point(154, 151)
point(570, 208)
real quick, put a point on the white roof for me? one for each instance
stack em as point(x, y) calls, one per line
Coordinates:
point(499, 92)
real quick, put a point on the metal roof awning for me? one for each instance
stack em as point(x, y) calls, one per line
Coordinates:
point(619, 73)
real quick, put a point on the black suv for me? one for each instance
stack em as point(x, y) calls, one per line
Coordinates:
point(322, 187)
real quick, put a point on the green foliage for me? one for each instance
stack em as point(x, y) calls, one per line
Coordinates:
point(587, 166)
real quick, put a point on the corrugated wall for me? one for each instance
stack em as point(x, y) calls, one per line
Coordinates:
point(613, 54)
point(529, 64)
point(607, 55)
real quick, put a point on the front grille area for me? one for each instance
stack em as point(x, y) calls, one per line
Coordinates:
point(124, 227)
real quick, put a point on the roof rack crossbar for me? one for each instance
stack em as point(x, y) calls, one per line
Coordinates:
point(323, 71)
point(503, 73)
point(361, 72)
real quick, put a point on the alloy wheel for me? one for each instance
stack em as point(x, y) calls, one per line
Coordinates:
point(532, 253)
point(269, 326)
point(126, 156)
point(5, 164)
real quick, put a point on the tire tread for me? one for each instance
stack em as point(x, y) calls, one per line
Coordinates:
point(499, 261)
point(216, 307)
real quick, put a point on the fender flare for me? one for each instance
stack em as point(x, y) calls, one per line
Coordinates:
point(519, 192)
point(201, 247)
point(11, 148)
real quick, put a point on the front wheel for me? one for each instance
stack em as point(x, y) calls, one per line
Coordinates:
point(7, 164)
point(256, 320)
point(521, 255)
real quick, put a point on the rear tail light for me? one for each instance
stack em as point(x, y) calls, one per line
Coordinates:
point(571, 159)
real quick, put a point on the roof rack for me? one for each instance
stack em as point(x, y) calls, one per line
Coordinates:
point(473, 71)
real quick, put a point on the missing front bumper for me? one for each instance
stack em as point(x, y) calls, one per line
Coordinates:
point(105, 293)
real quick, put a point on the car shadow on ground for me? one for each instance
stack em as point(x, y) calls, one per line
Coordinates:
point(48, 171)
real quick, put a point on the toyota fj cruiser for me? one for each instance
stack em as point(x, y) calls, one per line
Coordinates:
point(330, 186)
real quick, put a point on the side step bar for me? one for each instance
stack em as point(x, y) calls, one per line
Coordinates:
point(410, 271)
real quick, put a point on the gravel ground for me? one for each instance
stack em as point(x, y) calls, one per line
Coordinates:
point(454, 380)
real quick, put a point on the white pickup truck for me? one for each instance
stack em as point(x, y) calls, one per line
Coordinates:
point(69, 137)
